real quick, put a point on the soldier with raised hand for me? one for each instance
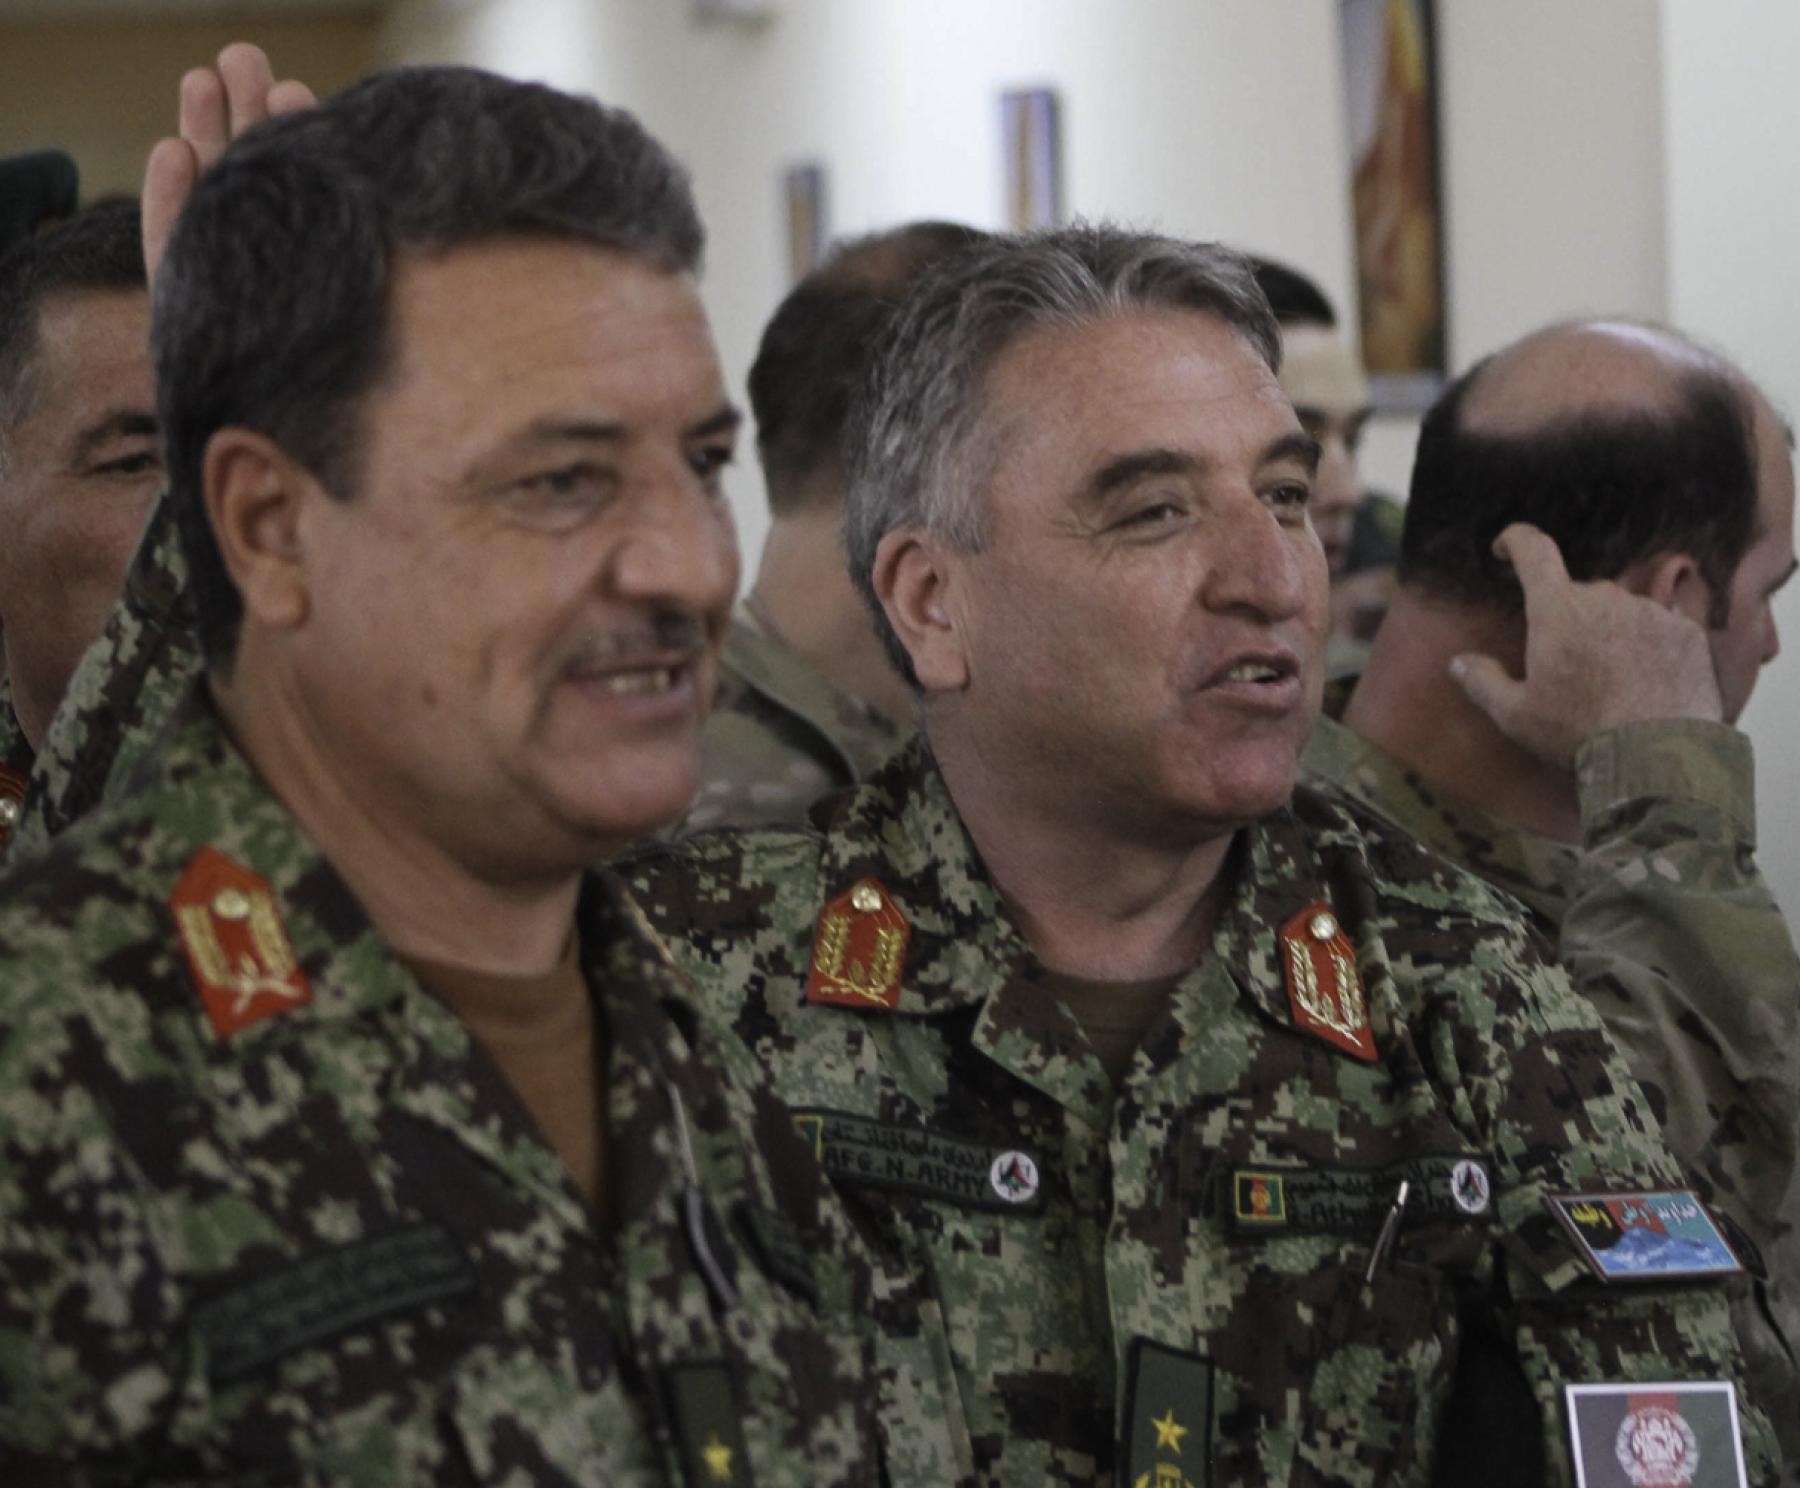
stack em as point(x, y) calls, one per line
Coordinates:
point(351, 1127)
point(1601, 516)
point(1244, 1140)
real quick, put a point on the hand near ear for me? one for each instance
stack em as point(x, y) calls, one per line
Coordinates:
point(217, 105)
point(1596, 656)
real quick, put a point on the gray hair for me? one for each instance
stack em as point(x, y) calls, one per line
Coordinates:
point(914, 452)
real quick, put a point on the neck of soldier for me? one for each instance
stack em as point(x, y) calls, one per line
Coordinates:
point(804, 594)
point(1093, 897)
point(1408, 705)
point(423, 901)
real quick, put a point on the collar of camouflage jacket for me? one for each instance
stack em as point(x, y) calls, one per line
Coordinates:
point(759, 659)
point(902, 829)
point(1534, 869)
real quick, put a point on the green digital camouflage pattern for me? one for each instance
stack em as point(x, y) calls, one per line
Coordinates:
point(333, 1248)
point(1667, 928)
point(122, 695)
point(780, 736)
point(1315, 1376)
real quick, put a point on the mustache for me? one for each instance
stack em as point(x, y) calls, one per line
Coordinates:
point(663, 638)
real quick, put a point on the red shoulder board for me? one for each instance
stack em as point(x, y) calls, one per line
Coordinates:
point(859, 950)
point(235, 943)
point(1324, 991)
point(12, 793)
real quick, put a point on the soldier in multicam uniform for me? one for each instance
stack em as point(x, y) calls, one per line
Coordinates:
point(808, 701)
point(1606, 788)
point(1243, 1140)
point(351, 1129)
point(79, 460)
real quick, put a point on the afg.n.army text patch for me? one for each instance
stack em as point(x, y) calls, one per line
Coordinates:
point(862, 1152)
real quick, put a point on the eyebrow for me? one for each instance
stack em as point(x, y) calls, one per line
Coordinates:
point(549, 431)
point(118, 423)
point(1127, 469)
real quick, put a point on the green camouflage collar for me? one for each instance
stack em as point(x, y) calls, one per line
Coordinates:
point(902, 829)
point(1534, 869)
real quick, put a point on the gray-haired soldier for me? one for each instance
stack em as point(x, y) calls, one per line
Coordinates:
point(351, 1130)
point(1244, 1140)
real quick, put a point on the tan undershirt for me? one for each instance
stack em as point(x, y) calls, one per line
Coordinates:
point(1114, 1016)
point(542, 1033)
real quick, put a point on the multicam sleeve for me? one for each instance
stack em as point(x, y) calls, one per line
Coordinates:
point(1675, 939)
point(1568, 1119)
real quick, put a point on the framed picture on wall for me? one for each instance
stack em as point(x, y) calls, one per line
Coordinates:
point(1390, 92)
point(1031, 142)
point(803, 195)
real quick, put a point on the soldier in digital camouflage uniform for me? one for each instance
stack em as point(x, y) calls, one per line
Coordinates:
point(1226, 1121)
point(282, 1198)
point(79, 460)
point(808, 701)
point(1607, 789)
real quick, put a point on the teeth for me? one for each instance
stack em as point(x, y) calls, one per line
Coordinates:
point(1252, 671)
point(646, 680)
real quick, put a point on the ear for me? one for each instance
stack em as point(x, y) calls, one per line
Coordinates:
point(255, 493)
point(1672, 580)
point(913, 578)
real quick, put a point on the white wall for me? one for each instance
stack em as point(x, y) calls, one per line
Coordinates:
point(1733, 131)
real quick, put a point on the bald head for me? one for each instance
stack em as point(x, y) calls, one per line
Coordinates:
point(1606, 367)
point(1622, 441)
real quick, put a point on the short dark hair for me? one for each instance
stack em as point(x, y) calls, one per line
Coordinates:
point(913, 446)
point(97, 251)
point(272, 304)
point(1294, 298)
point(1610, 486)
point(813, 350)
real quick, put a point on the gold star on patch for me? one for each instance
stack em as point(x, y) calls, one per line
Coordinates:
point(718, 1458)
point(1168, 1433)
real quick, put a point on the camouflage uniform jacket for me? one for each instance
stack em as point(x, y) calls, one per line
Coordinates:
point(15, 764)
point(1103, 1263)
point(333, 1247)
point(124, 692)
point(780, 736)
point(1667, 928)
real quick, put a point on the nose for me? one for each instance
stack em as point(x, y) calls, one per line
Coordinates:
point(1258, 565)
point(679, 549)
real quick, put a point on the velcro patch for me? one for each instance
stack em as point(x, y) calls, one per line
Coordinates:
point(862, 1152)
point(708, 1427)
point(321, 1295)
point(1679, 1435)
point(1168, 1414)
point(1343, 1201)
point(1645, 1235)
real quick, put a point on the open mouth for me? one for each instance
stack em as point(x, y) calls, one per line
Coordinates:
point(640, 681)
point(1255, 671)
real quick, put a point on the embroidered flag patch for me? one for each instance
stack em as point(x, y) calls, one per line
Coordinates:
point(1647, 1236)
point(1453, 1189)
point(1683, 1435)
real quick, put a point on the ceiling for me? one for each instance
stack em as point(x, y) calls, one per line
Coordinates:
point(48, 10)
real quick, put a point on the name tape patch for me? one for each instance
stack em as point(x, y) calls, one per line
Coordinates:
point(1645, 1236)
point(1456, 1189)
point(322, 1295)
point(863, 1152)
point(1681, 1435)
